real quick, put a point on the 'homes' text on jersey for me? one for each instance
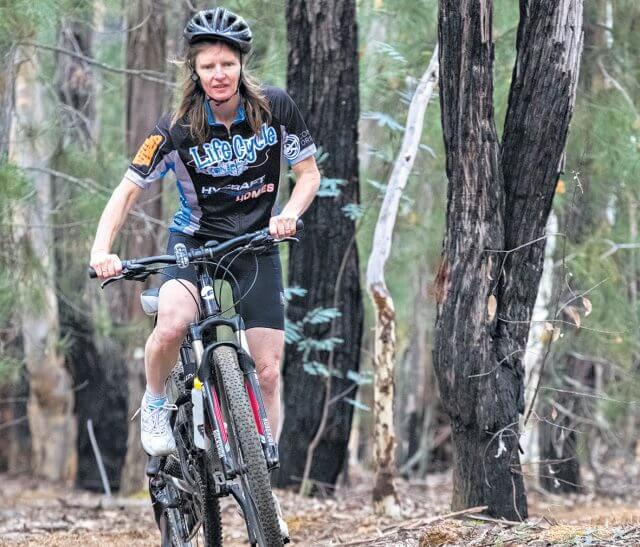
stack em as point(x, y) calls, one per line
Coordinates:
point(227, 185)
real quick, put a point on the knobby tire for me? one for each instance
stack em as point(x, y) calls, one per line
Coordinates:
point(244, 428)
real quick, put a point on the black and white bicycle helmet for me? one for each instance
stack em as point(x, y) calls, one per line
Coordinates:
point(219, 24)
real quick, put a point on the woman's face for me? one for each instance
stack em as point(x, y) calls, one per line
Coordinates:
point(218, 67)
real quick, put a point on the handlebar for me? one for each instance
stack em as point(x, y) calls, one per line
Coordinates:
point(210, 250)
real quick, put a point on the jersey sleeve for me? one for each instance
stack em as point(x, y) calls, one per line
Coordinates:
point(297, 141)
point(153, 159)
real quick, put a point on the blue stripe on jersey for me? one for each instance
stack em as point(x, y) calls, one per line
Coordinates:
point(182, 219)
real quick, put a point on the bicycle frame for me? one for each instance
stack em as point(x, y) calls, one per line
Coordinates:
point(207, 328)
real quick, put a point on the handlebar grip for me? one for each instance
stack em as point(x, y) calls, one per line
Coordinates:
point(92, 273)
point(299, 225)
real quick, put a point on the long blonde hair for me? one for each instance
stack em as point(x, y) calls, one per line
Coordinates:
point(191, 107)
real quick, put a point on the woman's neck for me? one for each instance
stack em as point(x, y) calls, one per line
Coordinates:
point(226, 112)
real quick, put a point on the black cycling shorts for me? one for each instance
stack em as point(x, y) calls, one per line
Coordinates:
point(263, 303)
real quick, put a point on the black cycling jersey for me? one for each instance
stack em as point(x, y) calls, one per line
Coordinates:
point(227, 185)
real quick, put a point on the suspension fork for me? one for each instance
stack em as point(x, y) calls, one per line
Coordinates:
point(212, 407)
point(252, 385)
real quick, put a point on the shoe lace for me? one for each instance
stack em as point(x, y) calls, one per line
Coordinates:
point(158, 418)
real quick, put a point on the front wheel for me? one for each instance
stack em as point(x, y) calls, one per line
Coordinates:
point(248, 449)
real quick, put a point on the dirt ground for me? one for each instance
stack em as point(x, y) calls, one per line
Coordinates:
point(45, 514)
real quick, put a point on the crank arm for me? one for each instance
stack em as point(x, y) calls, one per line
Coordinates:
point(179, 483)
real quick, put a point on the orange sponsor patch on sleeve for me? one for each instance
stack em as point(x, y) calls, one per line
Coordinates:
point(145, 154)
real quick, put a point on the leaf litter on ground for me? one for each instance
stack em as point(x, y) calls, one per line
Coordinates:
point(39, 513)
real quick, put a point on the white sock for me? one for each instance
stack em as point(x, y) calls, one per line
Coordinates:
point(153, 399)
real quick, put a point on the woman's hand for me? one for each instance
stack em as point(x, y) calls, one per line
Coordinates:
point(283, 225)
point(105, 264)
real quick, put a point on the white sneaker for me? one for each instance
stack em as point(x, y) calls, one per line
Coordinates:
point(155, 428)
point(284, 528)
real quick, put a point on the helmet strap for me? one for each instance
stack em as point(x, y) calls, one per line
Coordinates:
point(220, 103)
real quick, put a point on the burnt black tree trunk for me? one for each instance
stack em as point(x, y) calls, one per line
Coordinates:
point(322, 78)
point(499, 198)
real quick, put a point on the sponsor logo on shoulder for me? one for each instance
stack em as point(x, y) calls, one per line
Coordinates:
point(145, 153)
point(291, 147)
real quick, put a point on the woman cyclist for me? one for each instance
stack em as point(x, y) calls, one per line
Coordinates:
point(227, 144)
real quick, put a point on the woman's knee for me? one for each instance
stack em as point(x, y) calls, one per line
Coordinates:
point(170, 329)
point(269, 376)
point(176, 310)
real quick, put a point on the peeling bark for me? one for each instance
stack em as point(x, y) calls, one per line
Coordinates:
point(51, 398)
point(385, 498)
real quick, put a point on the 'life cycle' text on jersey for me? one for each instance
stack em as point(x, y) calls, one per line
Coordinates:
point(217, 151)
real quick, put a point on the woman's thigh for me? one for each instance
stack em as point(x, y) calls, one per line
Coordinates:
point(177, 303)
point(266, 346)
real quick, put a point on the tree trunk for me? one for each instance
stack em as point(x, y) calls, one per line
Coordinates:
point(368, 127)
point(385, 497)
point(51, 398)
point(499, 199)
point(534, 357)
point(15, 452)
point(94, 363)
point(7, 89)
point(145, 100)
point(322, 78)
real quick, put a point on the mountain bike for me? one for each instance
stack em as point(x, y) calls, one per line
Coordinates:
point(224, 444)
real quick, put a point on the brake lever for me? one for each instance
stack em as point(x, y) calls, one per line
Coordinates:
point(130, 274)
point(111, 280)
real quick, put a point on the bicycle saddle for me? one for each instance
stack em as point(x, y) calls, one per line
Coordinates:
point(149, 301)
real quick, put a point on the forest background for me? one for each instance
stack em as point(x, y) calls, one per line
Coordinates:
point(81, 132)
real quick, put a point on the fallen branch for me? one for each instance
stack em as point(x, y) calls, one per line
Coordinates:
point(504, 522)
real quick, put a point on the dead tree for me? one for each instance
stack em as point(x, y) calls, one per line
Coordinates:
point(498, 202)
point(385, 498)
